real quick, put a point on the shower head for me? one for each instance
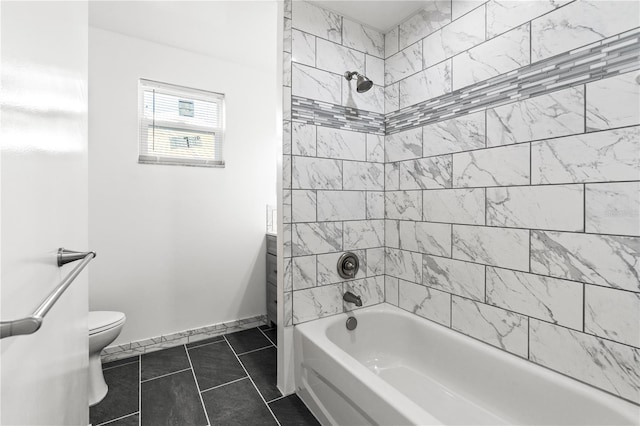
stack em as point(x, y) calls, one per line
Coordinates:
point(363, 83)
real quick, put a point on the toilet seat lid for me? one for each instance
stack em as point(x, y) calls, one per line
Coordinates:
point(104, 320)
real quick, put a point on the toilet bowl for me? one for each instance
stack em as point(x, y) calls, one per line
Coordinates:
point(104, 327)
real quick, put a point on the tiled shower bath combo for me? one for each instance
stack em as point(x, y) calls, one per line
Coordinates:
point(489, 181)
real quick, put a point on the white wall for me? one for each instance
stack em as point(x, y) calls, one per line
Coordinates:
point(178, 247)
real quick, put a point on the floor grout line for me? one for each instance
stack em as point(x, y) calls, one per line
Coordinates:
point(277, 399)
point(204, 344)
point(164, 375)
point(224, 384)
point(118, 418)
point(256, 350)
point(252, 382)
point(193, 372)
point(265, 335)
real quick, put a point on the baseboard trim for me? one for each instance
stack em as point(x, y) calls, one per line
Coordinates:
point(139, 347)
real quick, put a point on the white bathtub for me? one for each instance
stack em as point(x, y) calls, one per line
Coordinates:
point(396, 368)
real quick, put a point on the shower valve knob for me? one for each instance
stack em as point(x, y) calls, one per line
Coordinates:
point(348, 265)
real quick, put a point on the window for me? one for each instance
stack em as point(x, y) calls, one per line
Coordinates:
point(180, 126)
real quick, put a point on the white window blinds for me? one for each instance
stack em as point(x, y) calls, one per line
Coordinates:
point(180, 126)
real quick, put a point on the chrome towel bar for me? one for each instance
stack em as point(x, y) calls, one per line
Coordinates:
point(32, 323)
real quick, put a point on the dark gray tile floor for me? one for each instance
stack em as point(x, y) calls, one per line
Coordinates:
point(225, 380)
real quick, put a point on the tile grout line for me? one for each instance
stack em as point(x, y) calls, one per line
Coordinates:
point(164, 375)
point(118, 418)
point(256, 350)
point(278, 398)
point(251, 379)
point(193, 373)
point(224, 384)
point(265, 334)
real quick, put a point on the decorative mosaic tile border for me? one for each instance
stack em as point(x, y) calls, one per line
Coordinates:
point(609, 57)
point(320, 113)
point(140, 347)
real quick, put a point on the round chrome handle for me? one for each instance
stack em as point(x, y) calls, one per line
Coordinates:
point(348, 265)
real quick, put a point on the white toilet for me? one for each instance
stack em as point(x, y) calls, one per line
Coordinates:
point(104, 327)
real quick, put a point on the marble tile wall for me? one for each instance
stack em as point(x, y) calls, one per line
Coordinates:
point(333, 163)
point(512, 179)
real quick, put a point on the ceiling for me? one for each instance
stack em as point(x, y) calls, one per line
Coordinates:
point(382, 15)
point(240, 31)
point(243, 32)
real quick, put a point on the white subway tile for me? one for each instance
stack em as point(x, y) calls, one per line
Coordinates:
point(314, 238)
point(594, 157)
point(426, 84)
point(363, 234)
point(303, 206)
point(336, 58)
point(316, 302)
point(457, 134)
point(316, 84)
point(549, 299)
point(406, 205)
point(426, 173)
point(607, 365)
point(341, 205)
point(365, 39)
point(391, 290)
point(403, 145)
point(425, 237)
point(317, 21)
point(503, 15)
point(459, 35)
point(553, 207)
point(425, 302)
point(303, 48)
point(462, 206)
point(596, 259)
point(361, 176)
point(391, 42)
point(613, 208)
point(375, 205)
point(508, 248)
point(497, 56)
point(435, 15)
point(375, 148)
point(503, 166)
point(342, 144)
point(580, 23)
point(613, 102)
point(402, 264)
point(556, 114)
point(316, 173)
point(303, 271)
point(503, 329)
point(454, 276)
point(303, 139)
point(403, 64)
point(612, 314)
